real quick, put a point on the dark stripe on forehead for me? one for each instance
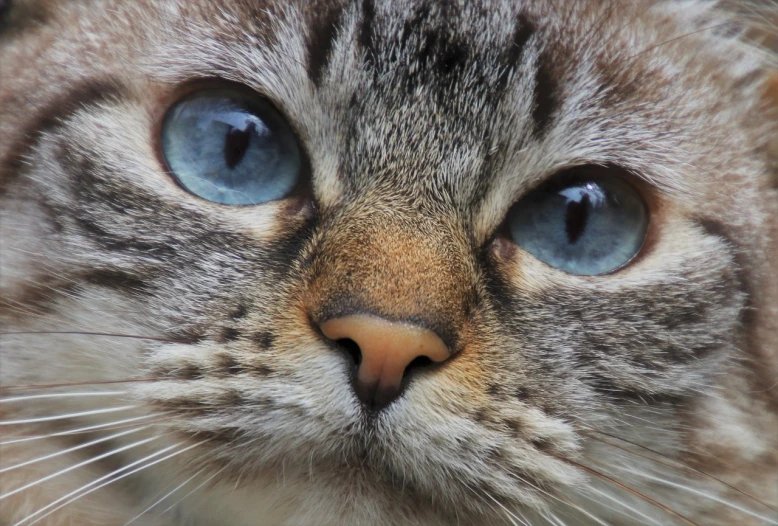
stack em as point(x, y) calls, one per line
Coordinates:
point(324, 31)
point(365, 32)
point(545, 96)
point(521, 34)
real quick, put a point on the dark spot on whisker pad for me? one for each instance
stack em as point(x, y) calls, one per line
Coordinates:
point(229, 334)
point(543, 444)
point(239, 312)
point(228, 365)
point(231, 398)
point(187, 372)
point(260, 370)
point(521, 394)
point(263, 339)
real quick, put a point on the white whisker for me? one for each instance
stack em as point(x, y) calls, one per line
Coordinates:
point(87, 429)
point(553, 519)
point(141, 468)
point(80, 464)
point(66, 416)
point(203, 483)
point(620, 503)
point(511, 516)
point(59, 395)
point(164, 497)
point(695, 491)
point(69, 450)
point(563, 501)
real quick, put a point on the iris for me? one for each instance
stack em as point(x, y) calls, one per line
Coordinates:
point(231, 148)
point(585, 224)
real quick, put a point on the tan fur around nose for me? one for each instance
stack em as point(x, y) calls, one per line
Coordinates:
point(387, 347)
point(395, 266)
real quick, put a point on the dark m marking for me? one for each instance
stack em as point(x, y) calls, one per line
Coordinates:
point(365, 33)
point(545, 96)
point(323, 35)
point(521, 34)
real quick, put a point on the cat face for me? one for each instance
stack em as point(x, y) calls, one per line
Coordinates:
point(392, 172)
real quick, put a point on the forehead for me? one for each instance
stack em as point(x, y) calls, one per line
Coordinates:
point(460, 106)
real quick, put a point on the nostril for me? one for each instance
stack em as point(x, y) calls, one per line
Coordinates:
point(418, 363)
point(352, 348)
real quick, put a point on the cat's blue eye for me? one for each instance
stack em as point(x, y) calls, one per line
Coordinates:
point(231, 148)
point(582, 224)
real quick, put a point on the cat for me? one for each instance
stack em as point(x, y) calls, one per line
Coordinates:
point(388, 262)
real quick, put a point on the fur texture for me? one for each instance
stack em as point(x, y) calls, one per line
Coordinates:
point(642, 396)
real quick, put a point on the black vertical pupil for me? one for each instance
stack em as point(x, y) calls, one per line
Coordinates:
point(576, 218)
point(235, 145)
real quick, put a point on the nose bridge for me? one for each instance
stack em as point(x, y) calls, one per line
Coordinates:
point(414, 269)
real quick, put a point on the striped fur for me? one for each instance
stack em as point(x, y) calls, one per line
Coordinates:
point(422, 122)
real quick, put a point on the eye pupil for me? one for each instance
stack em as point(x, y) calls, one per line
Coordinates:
point(576, 218)
point(236, 144)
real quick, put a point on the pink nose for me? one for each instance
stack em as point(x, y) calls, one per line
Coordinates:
point(387, 348)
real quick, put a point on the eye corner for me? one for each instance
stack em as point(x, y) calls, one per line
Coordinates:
point(502, 246)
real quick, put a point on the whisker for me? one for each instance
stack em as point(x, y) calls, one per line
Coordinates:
point(164, 497)
point(682, 467)
point(59, 395)
point(481, 498)
point(562, 500)
point(70, 450)
point(692, 490)
point(75, 384)
point(627, 488)
point(88, 333)
point(553, 519)
point(664, 43)
point(127, 422)
point(620, 503)
point(67, 416)
point(510, 515)
point(203, 483)
point(76, 466)
point(100, 479)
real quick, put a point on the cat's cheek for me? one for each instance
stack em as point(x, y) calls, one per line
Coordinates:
point(118, 135)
